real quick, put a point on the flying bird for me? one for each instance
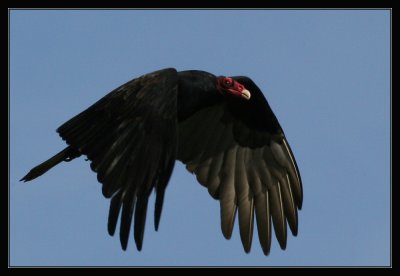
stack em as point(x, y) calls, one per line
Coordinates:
point(221, 128)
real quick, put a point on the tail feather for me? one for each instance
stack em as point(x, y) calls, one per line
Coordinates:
point(66, 154)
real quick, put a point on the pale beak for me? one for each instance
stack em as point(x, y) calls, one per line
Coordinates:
point(246, 94)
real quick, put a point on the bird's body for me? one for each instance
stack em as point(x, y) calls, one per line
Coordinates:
point(222, 128)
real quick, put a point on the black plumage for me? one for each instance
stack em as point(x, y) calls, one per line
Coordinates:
point(222, 128)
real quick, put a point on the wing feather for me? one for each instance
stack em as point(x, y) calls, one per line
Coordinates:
point(115, 207)
point(246, 163)
point(130, 137)
point(244, 200)
point(128, 204)
point(228, 193)
point(278, 216)
point(294, 175)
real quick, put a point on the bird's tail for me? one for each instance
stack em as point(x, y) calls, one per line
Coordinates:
point(66, 154)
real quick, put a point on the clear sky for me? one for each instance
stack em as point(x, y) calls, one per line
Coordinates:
point(326, 75)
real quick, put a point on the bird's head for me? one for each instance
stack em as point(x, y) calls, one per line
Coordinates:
point(227, 85)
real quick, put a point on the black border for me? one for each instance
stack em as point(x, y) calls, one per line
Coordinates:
point(162, 5)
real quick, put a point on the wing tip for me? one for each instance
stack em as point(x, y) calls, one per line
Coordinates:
point(124, 244)
point(247, 246)
point(282, 245)
point(139, 244)
point(294, 229)
point(227, 233)
point(266, 251)
point(156, 225)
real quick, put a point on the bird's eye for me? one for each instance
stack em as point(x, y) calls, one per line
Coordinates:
point(228, 82)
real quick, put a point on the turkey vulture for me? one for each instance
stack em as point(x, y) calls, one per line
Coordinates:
point(221, 128)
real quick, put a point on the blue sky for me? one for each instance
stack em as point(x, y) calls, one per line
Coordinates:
point(326, 75)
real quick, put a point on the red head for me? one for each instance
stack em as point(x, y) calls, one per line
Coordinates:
point(230, 86)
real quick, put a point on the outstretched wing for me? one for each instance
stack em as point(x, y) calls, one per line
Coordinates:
point(130, 138)
point(238, 150)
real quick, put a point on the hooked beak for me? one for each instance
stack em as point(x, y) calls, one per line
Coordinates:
point(246, 94)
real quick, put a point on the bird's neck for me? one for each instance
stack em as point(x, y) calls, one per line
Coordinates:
point(195, 92)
